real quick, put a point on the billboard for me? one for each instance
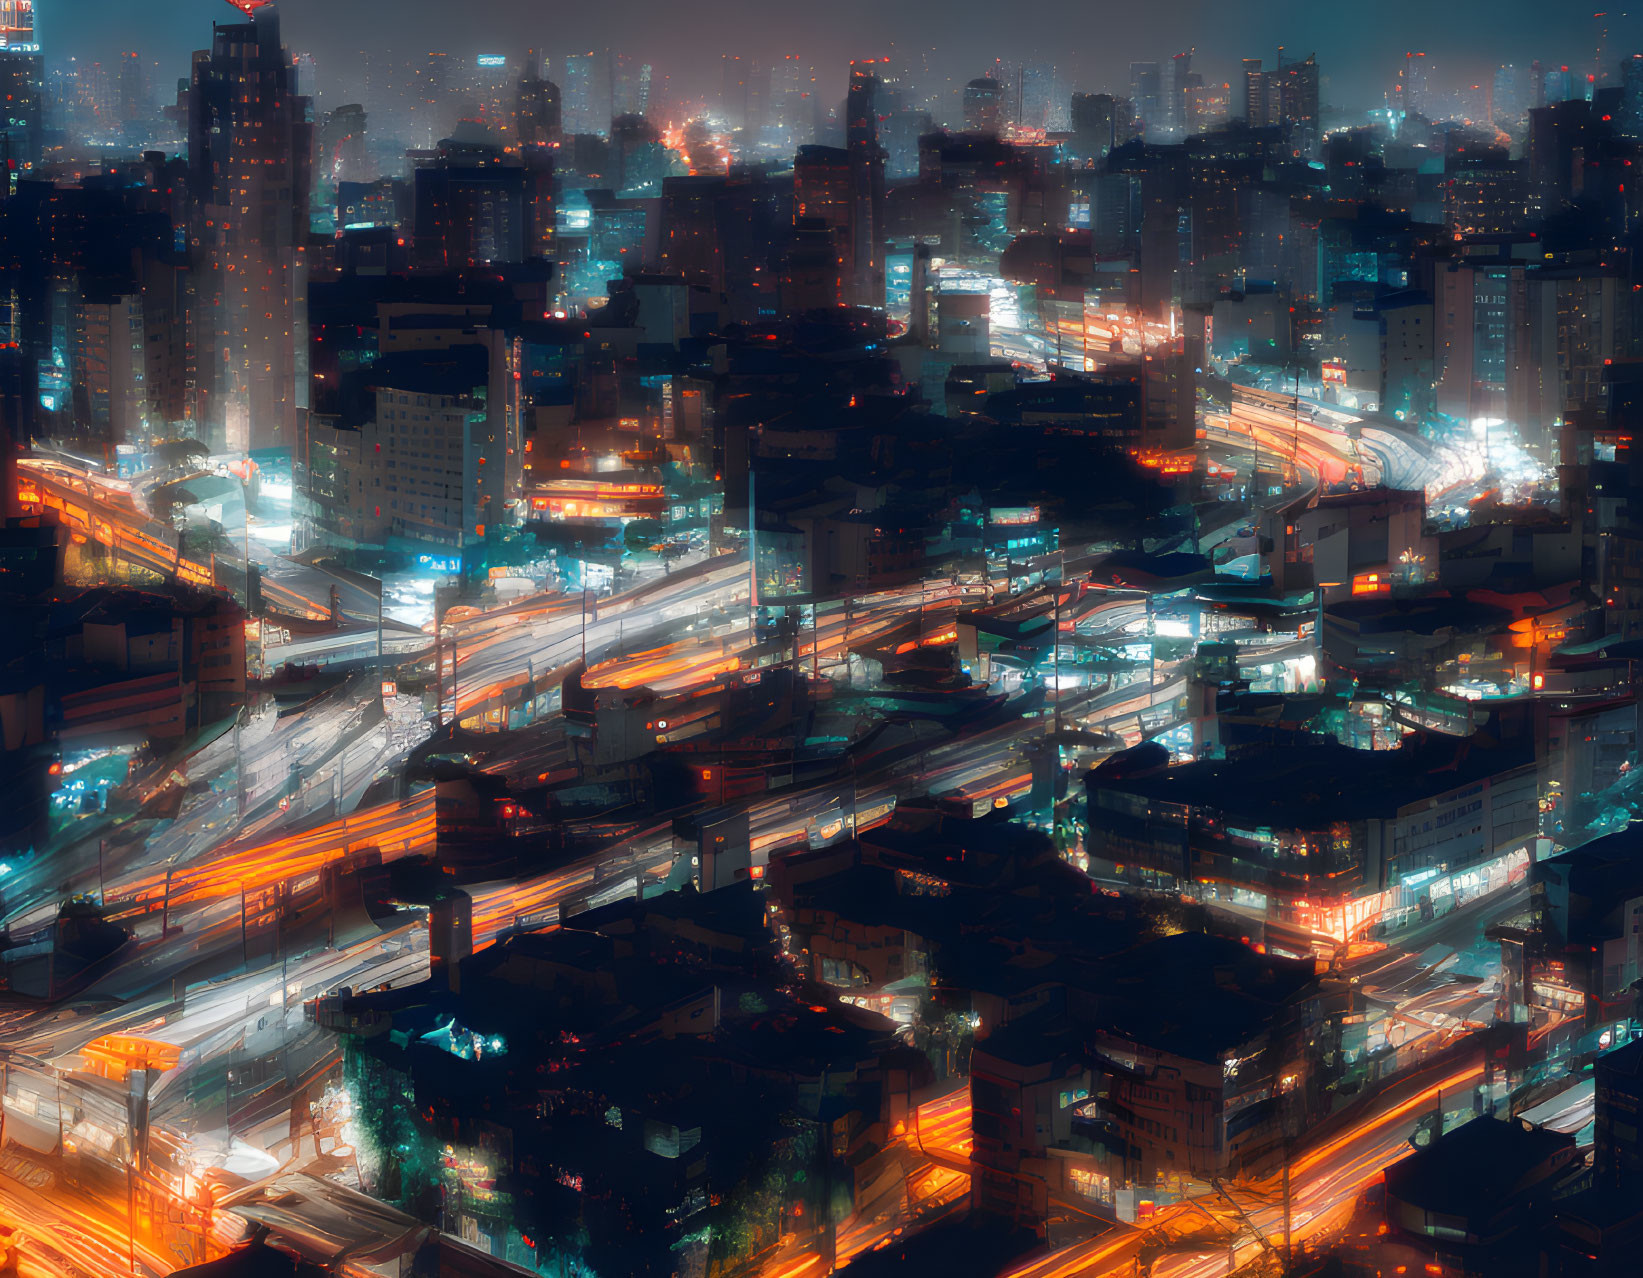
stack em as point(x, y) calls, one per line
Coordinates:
point(17, 23)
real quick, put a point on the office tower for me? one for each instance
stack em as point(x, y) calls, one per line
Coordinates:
point(629, 84)
point(1415, 85)
point(134, 102)
point(983, 105)
point(1537, 85)
point(1146, 91)
point(793, 99)
point(1094, 125)
point(866, 286)
point(1038, 96)
point(1198, 103)
point(1509, 98)
point(1298, 101)
point(429, 85)
point(581, 115)
point(489, 87)
point(1253, 103)
point(249, 175)
point(733, 72)
point(758, 99)
point(22, 89)
point(1181, 81)
point(1559, 86)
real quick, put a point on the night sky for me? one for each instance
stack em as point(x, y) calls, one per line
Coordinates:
point(1358, 44)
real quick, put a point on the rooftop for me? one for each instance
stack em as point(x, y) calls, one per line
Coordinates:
point(1469, 1171)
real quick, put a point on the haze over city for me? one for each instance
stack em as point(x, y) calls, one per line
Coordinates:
point(762, 641)
point(1094, 44)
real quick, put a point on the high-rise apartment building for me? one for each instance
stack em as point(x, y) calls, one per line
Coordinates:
point(250, 148)
point(22, 92)
point(867, 183)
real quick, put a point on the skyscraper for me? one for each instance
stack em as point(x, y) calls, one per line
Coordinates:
point(983, 105)
point(1146, 91)
point(1038, 96)
point(1254, 102)
point(249, 174)
point(1298, 101)
point(629, 85)
point(733, 73)
point(1509, 98)
point(1094, 118)
point(866, 287)
point(793, 99)
point(581, 115)
point(1181, 80)
point(824, 206)
point(538, 119)
point(22, 92)
point(1415, 85)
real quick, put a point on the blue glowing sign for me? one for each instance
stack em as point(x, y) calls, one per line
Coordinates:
point(440, 563)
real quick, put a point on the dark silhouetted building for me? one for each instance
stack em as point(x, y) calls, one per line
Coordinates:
point(249, 172)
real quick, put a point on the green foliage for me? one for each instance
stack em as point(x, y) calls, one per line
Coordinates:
point(396, 1145)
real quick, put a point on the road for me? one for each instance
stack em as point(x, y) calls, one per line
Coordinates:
point(111, 512)
point(1325, 1182)
point(199, 891)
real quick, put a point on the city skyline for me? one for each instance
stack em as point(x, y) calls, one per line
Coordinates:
point(631, 657)
point(1466, 41)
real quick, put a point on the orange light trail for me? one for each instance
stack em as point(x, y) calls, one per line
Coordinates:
point(396, 830)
